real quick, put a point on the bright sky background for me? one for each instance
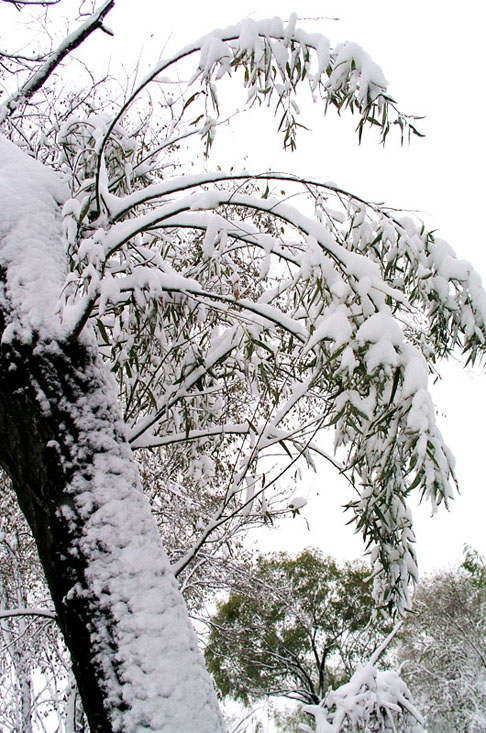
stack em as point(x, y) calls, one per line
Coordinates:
point(432, 55)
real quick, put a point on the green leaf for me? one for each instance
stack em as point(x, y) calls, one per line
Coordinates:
point(102, 330)
point(190, 100)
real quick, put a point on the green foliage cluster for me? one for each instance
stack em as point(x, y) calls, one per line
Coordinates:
point(293, 627)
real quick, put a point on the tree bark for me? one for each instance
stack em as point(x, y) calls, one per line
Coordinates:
point(35, 452)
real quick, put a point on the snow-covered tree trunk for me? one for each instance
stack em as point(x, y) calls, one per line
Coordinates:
point(62, 441)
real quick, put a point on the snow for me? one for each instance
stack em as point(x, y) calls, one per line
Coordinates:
point(371, 79)
point(381, 353)
point(160, 668)
point(348, 360)
point(30, 203)
point(416, 371)
point(214, 50)
point(339, 296)
point(369, 692)
point(378, 327)
point(335, 326)
point(297, 502)
point(356, 316)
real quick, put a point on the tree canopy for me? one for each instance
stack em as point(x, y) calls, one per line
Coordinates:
point(206, 287)
point(293, 627)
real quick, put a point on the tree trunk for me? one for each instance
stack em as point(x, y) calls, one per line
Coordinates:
point(62, 441)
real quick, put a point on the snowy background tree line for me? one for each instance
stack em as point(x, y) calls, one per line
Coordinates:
point(199, 319)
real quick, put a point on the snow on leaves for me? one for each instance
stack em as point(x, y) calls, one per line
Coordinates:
point(220, 306)
point(372, 698)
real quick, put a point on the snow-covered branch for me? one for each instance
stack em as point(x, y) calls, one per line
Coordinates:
point(42, 612)
point(41, 75)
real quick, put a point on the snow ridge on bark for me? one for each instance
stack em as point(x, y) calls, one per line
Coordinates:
point(159, 671)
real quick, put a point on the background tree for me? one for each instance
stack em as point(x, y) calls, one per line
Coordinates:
point(140, 304)
point(293, 627)
point(443, 648)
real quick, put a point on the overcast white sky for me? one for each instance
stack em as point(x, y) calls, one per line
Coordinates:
point(432, 55)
